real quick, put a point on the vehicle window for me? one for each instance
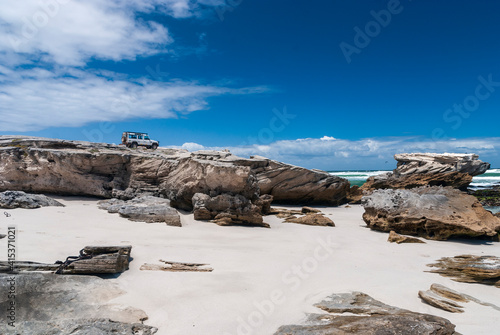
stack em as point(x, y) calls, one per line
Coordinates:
point(132, 137)
point(139, 137)
point(146, 137)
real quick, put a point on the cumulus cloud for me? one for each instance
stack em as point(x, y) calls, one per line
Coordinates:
point(46, 46)
point(38, 98)
point(370, 153)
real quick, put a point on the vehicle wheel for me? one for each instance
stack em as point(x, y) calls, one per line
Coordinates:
point(133, 145)
point(154, 146)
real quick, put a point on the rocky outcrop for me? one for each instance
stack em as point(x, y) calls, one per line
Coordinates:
point(108, 171)
point(488, 197)
point(144, 208)
point(470, 269)
point(19, 199)
point(436, 213)
point(52, 304)
point(227, 210)
point(295, 185)
point(444, 298)
point(422, 169)
point(395, 237)
point(358, 313)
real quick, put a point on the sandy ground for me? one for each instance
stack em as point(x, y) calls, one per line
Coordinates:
point(262, 278)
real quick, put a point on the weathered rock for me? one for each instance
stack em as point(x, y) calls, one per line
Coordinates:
point(426, 169)
point(436, 213)
point(19, 199)
point(470, 269)
point(295, 185)
point(176, 267)
point(432, 298)
point(371, 317)
point(80, 327)
point(144, 208)
point(81, 168)
point(227, 209)
point(395, 237)
point(52, 304)
point(311, 219)
point(447, 299)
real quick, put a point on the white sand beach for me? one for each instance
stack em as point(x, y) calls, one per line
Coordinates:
point(262, 278)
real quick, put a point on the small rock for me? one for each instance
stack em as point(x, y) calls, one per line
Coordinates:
point(312, 220)
point(307, 210)
point(395, 237)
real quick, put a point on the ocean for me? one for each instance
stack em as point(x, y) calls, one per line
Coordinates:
point(359, 177)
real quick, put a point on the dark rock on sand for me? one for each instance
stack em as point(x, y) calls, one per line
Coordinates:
point(469, 269)
point(422, 169)
point(19, 199)
point(436, 213)
point(52, 304)
point(144, 208)
point(371, 317)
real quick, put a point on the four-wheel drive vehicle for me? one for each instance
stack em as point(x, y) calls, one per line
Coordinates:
point(134, 139)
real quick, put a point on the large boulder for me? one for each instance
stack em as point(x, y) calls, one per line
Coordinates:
point(19, 199)
point(227, 209)
point(296, 185)
point(436, 213)
point(358, 313)
point(422, 169)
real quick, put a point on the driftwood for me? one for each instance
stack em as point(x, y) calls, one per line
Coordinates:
point(177, 267)
point(92, 260)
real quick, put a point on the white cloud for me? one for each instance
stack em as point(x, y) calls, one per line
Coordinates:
point(37, 98)
point(56, 39)
point(371, 153)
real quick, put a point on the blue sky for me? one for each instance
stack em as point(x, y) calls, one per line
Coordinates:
point(323, 84)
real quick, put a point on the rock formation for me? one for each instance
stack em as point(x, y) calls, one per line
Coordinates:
point(295, 185)
point(470, 269)
point(436, 213)
point(81, 168)
point(144, 208)
point(69, 304)
point(395, 237)
point(422, 169)
point(226, 209)
point(370, 317)
point(19, 199)
point(312, 219)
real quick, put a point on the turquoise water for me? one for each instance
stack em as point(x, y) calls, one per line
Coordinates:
point(359, 177)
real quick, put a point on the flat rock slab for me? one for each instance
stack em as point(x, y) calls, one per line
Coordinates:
point(436, 213)
point(51, 304)
point(144, 209)
point(19, 199)
point(367, 316)
point(177, 267)
point(469, 269)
